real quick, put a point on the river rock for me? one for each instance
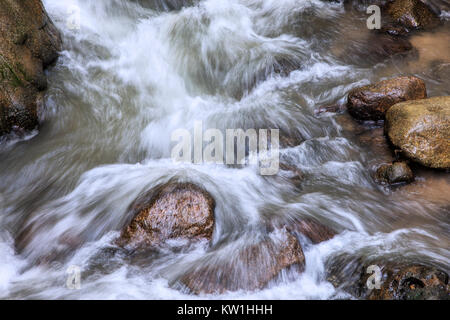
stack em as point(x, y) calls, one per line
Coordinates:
point(314, 231)
point(421, 129)
point(411, 283)
point(412, 14)
point(249, 268)
point(176, 210)
point(29, 42)
point(372, 101)
point(393, 173)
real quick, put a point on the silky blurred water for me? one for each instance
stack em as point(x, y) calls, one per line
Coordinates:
point(135, 71)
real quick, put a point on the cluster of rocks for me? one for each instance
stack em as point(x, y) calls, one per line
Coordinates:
point(29, 43)
point(417, 127)
point(186, 211)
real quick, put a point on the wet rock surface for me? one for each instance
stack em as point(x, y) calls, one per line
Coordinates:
point(29, 42)
point(412, 14)
point(313, 230)
point(397, 172)
point(248, 268)
point(388, 280)
point(177, 210)
point(421, 129)
point(372, 101)
point(411, 283)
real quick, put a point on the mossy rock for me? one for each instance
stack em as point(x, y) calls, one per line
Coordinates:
point(421, 129)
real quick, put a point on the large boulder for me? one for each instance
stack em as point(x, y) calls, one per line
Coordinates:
point(372, 101)
point(249, 268)
point(29, 42)
point(421, 129)
point(176, 210)
point(412, 14)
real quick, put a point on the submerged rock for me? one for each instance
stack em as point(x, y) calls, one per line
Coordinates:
point(249, 268)
point(372, 101)
point(374, 48)
point(179, 210)
point(393, 173)
point(29, 42)
point(314, 231)
point(421, 129)
point(412, 14)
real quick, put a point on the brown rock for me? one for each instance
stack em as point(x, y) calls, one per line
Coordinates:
point(180, 210)
point(29, 42)
point(421, 129)
point(411, 283)
point(372, 101)
point(313, 230)
point(412, 14)
point(393, 173)
point(250, 268)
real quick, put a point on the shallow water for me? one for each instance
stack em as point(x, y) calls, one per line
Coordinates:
point(134, 72)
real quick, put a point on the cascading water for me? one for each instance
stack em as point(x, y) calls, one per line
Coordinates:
point(135, 71)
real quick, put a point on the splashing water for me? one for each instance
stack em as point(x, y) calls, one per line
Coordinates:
point(135, 71)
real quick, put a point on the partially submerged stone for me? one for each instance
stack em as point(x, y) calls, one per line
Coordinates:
point(176, 210)
point(371, 102)
point(392, 173)
point(313, 230)
point(412, 14)
point(249, 268)
point(421, 129)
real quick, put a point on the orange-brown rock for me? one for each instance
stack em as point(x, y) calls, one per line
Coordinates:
point(371, 102)
point(412, 283)
point(421, 129)
point(176, 210)
point(412, 14)
point(248, 268)
point(29, 42)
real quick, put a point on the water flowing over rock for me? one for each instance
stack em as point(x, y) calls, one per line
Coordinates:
point(421, 129)
point(180, 210)
point(249, 268)
point(396, 172)
point(372, 101)
point(314, 231)
point(412, 14)
point(29, 42)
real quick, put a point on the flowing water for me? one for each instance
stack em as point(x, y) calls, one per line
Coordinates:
point(135, 71)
